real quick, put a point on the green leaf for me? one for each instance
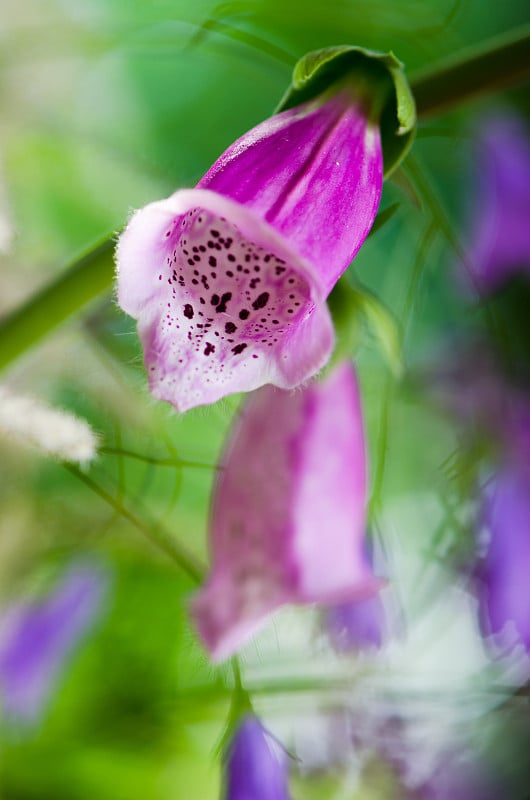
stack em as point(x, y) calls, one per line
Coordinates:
point(348, 306)
point(320, 69)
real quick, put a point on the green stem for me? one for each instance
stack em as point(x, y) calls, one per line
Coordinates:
point(87, 279)
point(497, 64)
point(177, 552)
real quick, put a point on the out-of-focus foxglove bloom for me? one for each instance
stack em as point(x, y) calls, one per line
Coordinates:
point(462, 778)
point(288, 514)
point(228, 281)
point(36, 639)
point(504, 590)
point(500, 240)
point(358, 625)
point(256, 765)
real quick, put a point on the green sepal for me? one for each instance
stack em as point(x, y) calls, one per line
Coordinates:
point(319, 70)
point(350, 306)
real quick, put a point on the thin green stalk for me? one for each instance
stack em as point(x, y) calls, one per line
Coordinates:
point(67, 294)
point(179, 554)
point(499, 63)
point(159, 462)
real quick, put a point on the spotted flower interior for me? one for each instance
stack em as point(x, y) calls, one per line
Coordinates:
point(229, 298)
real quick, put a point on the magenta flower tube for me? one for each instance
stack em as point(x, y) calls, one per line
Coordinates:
point(288, 514)
point(228, 281)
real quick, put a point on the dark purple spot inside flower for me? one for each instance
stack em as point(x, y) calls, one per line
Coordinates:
point(261, 301)
point(224, 300)
point(188, 311)
point(230, 327)
point(212, 261)
point(209, 349)
point(239, 348)
point(244, 314)
point(215, 300)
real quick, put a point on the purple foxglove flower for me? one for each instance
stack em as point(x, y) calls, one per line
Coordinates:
point(228, 281)
point(500, 240)
point(288, 515)
point(504, 588)
point(36, 638)
point(256, 765)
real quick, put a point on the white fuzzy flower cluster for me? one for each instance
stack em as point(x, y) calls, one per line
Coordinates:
point(57, 433)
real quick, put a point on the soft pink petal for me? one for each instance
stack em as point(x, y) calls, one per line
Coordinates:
point(223, 303)
point(288, 515)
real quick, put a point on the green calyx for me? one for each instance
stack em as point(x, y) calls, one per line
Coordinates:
point(319, 70)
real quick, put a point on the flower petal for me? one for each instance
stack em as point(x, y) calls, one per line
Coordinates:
point(36, 639)
point(256, 766)
point(222, 301)
point(287, 526)
point(504, 594)
point(315, 173)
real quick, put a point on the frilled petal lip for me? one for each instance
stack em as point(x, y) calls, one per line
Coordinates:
point(141, 252)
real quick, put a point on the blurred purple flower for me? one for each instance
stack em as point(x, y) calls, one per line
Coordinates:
point(36, 638)
point(256, 765)
point(503, 573)
point(462, 778)
point(359, 625)
point(228, 281)
point(500, 239)
point(288, 515)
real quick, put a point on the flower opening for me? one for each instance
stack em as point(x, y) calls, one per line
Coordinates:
point(228, 281)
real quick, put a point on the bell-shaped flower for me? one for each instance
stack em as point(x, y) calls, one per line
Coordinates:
point(503, 585)
point(256, 765)
point(36, 639)
point(288, 514)
point(500, 237)
point(228, 281)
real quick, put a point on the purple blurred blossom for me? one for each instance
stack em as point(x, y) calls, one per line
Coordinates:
point(503, 573)
point(359, 625)
point(228, 281)
point(37, 638)
point(288, 515)
point(462, 778)
point(500, 237)
point(256, 765)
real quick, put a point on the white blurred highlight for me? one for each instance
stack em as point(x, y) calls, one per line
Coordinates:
point(29, 422)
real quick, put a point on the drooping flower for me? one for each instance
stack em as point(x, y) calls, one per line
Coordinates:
point(500, 239)
point(288, 514)
point(36, 639)
point(256, 765)
point(228, 281)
